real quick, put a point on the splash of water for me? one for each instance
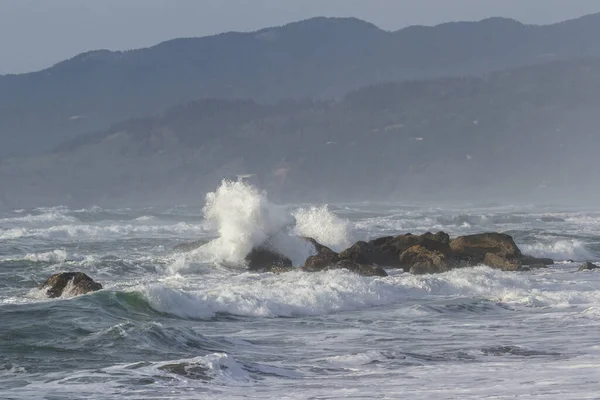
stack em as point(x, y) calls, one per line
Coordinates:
point(244, 219)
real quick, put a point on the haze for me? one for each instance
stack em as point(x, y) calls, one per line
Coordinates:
point(37, 34)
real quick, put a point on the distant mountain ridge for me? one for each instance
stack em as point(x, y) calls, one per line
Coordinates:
point(529, 133)
point(317, 58)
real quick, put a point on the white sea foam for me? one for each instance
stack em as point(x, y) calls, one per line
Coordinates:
point(304, 294)
point(244, 219)
point(323, 226)
point(560, 250)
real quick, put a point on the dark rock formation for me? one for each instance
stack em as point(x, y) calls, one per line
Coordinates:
point(387, 250)
point(475, 248)
point(327, 260)
point(498, 262)
point(75, 284)
point(264, 259)
point(374, 252)
point(421, 260)
point(425, 254)
point(321, 260)
point(588, 266)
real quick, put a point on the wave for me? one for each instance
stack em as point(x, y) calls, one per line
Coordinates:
point(46, 217)
point(55, 256)
point(560, 250)
point(298, 294)
point(101, 231)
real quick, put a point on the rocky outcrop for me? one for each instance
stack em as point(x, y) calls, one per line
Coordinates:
point(505, 264)
point(420, 260)
point(264, 259)
point(320, 261)
point(326, 259)
point(69, 284)
point(323, 258)
point(386, 251)
point(588, 266)
point(418, 254)
point(475, 248)
point(374, 252)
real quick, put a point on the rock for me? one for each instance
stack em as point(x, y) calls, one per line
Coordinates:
point(588, 266)
point(442, 237)
point(420, 260)
point(360, 269)
point(528, 260)
point(328, 260)
point(70, 284)
point(498, 262)
point(523, 269)
point(187, 247)
point(323, 258)
point(475, 248)
point(375, 252)
point(264, 259)
point(387, 250)
point(437, 242)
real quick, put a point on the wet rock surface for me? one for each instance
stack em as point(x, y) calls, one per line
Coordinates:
point(69, 284)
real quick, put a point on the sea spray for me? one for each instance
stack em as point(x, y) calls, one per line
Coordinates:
point(322, 225)
point(244, 219)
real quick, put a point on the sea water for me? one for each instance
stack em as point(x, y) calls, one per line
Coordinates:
point(198, 325)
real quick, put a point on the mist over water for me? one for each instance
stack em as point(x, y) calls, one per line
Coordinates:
point(171, 324)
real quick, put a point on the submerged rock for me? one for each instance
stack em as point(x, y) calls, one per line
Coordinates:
point(588, 266)
point(69, 284)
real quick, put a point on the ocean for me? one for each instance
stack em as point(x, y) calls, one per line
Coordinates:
point(198, 325)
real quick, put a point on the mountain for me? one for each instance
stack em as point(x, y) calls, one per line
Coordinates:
point(318, 58)
point(521, 134)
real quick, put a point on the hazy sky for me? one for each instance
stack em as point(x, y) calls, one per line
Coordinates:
point(35, 34)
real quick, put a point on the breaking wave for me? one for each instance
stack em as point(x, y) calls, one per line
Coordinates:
point(561, 250)
point(304, 294)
